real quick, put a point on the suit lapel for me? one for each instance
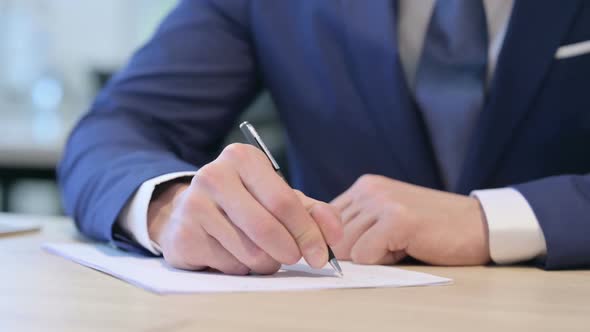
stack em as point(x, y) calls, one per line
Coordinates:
point(379, 79)
point(534, 34)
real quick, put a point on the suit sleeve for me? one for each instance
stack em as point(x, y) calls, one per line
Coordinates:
point(167, 111)
point(562, 207)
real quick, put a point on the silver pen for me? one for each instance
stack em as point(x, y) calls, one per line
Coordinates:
point(253, 138)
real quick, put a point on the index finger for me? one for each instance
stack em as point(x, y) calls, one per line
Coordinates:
point(342, 201)
point(272, 192)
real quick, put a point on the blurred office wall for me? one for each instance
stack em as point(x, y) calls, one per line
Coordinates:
point(54, 55)
point(70, 38)
point(51, 52)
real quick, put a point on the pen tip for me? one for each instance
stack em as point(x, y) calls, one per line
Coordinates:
point(336, 267)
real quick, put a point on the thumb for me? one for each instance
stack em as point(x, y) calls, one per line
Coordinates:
point(325, 216)
point(307, 202)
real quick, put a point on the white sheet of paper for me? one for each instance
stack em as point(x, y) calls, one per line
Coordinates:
point(154, 275)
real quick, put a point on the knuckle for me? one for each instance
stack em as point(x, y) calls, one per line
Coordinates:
point(261, 263)
point(249, 251)
point(333, 210)
point(366, 183)
point(195, 203)
point(193, 198)
point(359, 258)
point(307, 239)
point(182, 244)
point(209, 176)
point(255, 257)
point(280, 204)
point(262, 231)
point(184, 261)
point(182, 235)
point(237, 152)
point(367, 178)
point(300, 195)
point(195, 262)
point(174, 231)
point(194, 182)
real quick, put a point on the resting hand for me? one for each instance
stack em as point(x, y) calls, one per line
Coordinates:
point(384, 220)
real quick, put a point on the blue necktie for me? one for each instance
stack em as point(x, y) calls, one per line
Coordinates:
point(450, 80)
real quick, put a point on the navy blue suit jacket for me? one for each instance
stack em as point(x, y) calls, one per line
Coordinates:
point(334, 72)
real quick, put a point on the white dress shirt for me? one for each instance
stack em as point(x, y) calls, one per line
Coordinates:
point(514, 231)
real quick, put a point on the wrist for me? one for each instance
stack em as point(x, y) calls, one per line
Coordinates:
point(162, 205)
point(477, 215)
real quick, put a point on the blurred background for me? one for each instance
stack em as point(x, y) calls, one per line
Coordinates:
point(55, 55)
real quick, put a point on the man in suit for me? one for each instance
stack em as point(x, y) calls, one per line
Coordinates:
point(455, 132)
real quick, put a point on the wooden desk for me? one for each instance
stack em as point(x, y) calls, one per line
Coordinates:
point(41, 292)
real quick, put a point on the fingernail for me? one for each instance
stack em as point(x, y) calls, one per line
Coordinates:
point(318, 256)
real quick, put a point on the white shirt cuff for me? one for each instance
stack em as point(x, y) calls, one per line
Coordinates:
point(133, 217)
point(514, 231)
